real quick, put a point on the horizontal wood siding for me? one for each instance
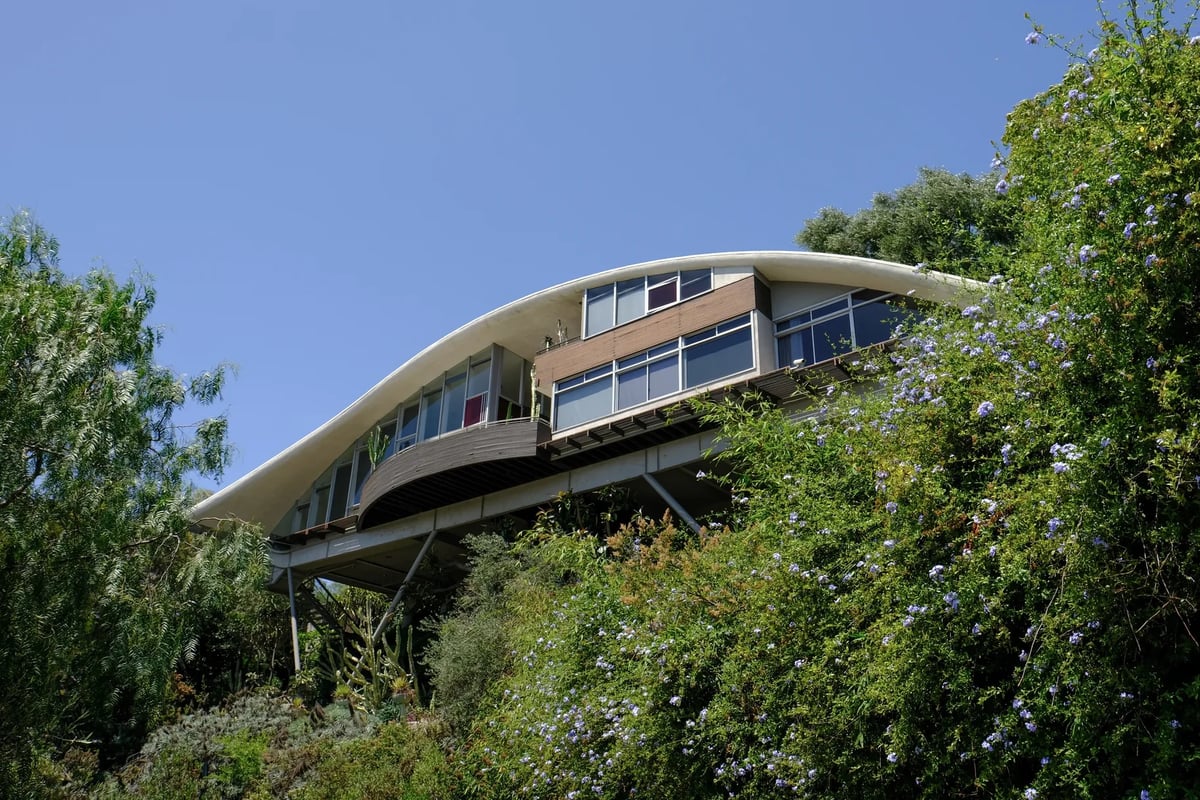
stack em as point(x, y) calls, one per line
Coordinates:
point(426, 459)
point(661, 326)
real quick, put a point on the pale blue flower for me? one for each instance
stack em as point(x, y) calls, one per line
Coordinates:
point(985, 408)
point(1033, 37)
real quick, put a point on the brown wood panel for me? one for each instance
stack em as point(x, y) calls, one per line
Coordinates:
point(496, 442)
point(661, 326)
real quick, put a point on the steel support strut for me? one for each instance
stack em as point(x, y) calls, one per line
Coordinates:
point(391, 610)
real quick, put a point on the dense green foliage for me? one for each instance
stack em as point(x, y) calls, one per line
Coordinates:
point(952, 223)
point(106, 596)
point(969, 572)
point(979, 580)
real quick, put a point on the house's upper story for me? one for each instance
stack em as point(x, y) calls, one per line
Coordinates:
point(575, 374)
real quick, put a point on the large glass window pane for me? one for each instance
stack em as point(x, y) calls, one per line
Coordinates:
point(693, 282)
point(831, 338)
point(341, 492)
point(664, 377)
point(431, 409)
point(583, 403)
point(874, 322)
point(599, 315)
point(453, 402)
point(717, 358)
point(631, 300)
point(631, 388)
point(300, 520)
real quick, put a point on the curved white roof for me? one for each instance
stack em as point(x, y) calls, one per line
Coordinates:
point(267, 493)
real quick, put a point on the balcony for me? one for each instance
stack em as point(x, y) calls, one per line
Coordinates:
point(455, 467)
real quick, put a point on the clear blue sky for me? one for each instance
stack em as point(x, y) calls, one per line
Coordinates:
point(322, 189)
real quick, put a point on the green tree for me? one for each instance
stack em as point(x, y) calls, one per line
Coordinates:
point(952, 223)
point(103, 584)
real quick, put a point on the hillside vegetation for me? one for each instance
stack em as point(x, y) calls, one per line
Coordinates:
point(977, 579)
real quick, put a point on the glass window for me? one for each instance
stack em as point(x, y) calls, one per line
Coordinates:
point(796, 321)
point(300, 521)
point(631, 300)
point(408, 426)
point(694, 282)
point(664, 294)
point(796, 347)
point(361, 472)
point(319, 506)
point(874, 322)
point(830, 308)
point(627, 300)
point(578, 405)
point(341, 492)
point(708, 356)
point(831, 338)
point(431, 408)
point(664, 377)
point(631, 387)
point(473, 415)
point(514, 375)
point(388, 434)
point(453, 402)
point(480, 377)
point(599, 314)
point(718, 358)
point(863, 295)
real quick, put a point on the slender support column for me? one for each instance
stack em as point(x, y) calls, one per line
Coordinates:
point(391, 610)
point(295, 629)
point(671, 501)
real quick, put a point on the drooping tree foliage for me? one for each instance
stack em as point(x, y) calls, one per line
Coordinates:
point(106, 594)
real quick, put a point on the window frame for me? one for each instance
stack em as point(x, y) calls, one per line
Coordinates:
point(676, 349)
point(682, 280)
point(844, 305)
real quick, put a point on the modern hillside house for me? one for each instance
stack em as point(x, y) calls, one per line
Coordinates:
point(571, 389)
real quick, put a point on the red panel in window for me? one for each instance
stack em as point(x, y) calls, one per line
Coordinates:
point(473, 413)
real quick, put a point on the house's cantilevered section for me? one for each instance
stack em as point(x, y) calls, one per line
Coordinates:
point(573, 388)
